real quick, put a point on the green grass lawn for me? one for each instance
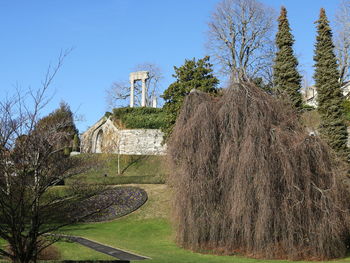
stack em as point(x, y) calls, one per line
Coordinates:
point(142, 169)
point(73, 251)
point(148, 232)
point(2, 243)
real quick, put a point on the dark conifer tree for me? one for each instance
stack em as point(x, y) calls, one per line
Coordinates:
point(61, 120)
point(329, 94)
point(194, 74)
point(287, 79)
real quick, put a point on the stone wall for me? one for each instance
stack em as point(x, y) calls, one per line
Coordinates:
point(106, 137)
point(141, 141)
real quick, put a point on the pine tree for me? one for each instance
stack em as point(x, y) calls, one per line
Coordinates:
point(329, 95)
point(192, 75)
point(287, 79)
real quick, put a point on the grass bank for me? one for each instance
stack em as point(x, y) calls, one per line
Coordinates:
point(133, 169)
point(148, 232)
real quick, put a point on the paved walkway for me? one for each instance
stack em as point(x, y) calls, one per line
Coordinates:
point(114, 252)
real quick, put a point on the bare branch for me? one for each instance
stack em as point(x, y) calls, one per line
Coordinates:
point(342, 39)
point(119, 91)
point(240, 38)
point(31, 163)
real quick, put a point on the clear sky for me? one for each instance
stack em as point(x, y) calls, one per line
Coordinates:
point(110, 37)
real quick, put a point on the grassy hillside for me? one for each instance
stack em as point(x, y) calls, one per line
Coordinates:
point(148, 232)
point(135, 168)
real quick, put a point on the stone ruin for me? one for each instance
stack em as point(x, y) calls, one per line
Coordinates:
point(106, 137)
point(143, 76)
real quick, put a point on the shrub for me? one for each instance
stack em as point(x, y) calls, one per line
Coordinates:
point(66, 151)
point(307, 107)
point(140, 118)
point(49, 253)
point(108, 114)
point(76, 143)
point(346, 105)
point(311, 119)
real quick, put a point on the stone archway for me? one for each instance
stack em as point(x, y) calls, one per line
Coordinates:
point(98, 142)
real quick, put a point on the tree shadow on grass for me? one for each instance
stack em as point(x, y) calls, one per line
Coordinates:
point(79, 227)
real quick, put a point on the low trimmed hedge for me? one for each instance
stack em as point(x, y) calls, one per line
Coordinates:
point(140, 118)
point(138, 179)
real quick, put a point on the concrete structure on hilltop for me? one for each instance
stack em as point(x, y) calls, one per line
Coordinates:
point(134, 76)
point(106, 136)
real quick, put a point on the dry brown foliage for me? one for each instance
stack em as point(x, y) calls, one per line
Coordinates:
point(248, 178)
point(311, 120)
point(49, 253)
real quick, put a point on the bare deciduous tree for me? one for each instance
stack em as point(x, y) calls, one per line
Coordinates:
point(240, 38)
point(342, 39)
point(119, 91)
point(30, 166)
point(117, 94)
point(154, 81)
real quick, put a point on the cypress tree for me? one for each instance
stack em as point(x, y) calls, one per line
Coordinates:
point(287, 79)
point(329, 95)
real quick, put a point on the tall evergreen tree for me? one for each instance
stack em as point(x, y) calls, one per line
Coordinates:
point(287, 79)
point(329, 95)
point(194, 74)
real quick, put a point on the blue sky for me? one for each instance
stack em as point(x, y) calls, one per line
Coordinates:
point(110, 37)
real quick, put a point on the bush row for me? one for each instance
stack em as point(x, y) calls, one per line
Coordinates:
point(140, 118)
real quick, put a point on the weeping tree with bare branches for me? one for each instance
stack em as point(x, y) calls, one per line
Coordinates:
point(31, 164)
point(247, 178)
point(240, 39)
